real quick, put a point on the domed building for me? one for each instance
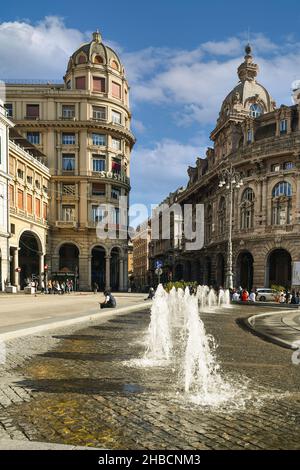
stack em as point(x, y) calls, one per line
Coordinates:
point(261, 144)
point(83, 126)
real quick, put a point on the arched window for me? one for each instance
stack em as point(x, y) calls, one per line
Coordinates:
point(247, 209)
point(98, 59)
point(255, 110)
point(222, 216)
point(81, 59)
point(114, 65)
point(209, 221)
point(282, 203)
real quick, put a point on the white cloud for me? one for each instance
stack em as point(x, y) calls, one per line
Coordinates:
point(37, 50)
point(164, 165)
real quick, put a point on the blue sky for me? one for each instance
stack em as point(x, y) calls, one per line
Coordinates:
point(181, 59)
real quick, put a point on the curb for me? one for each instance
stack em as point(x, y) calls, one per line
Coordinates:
point(72, 321)
point(250, 322)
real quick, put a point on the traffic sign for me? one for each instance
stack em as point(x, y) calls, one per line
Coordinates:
point(158, 271)
point(158, 264)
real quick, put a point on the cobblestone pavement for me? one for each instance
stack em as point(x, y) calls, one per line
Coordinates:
point(83, 389)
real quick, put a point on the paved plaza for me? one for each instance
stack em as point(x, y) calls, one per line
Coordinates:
point(84, 388)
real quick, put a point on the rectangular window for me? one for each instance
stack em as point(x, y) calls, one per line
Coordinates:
point(99, 139)
point(45, 211)
point(116, 117)
point(29, 204)
point(33, 137)
point(9, 109)
point(29, 179)
point(98, 189)
point(32, 111)
point(20, 173)
point(116, 90)
point(97, 214)
point(116, 144)
point(99, 113)
point(20, 199)
point(68, 213)
point(99, 164)
point(115, 193)
point(99, 84)
point(116, 216)
point(68, 111)
point(37, 207)
point(12, 229)
point(116, 166)
point(288, 165)
point(249, 136)
point(80, 83)
point(283, 126)
point(68, 161)
point(68, 139)
point(275, 167)
point(37, 184)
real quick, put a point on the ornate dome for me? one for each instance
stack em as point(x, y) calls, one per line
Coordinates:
point(249, 97)
point(96, 53)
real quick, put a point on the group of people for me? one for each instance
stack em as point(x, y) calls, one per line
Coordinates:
point(243, 295)
point(57, 287)
point(286, 297)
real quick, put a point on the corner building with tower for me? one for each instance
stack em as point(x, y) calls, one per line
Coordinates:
point(83, 127)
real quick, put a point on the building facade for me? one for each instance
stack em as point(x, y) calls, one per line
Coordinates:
point(4, 212)
point(28, 207)
point(261, 142)
point(140, 242)
point(83, 126)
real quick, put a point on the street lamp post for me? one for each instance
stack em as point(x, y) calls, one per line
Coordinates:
point(230, 179)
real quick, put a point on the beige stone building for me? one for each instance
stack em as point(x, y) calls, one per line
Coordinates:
point(4, 210)
point(262, 143)
point(140, 242)
point(83, 126)
point(28, 207)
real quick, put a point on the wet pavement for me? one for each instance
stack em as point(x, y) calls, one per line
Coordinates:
point(88, 389)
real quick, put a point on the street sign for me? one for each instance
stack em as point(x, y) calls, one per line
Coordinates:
point(158, 264)
point(158, 271)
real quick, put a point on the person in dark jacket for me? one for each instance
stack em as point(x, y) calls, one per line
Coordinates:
point(109, 302)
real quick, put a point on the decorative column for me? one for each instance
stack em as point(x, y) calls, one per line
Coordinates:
point(16, 280)
point(41, 267)
point(121, 274)
point(107, 272)
point(125, 276)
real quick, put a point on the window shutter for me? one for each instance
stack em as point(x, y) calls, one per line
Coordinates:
point(80, 83)
point(29, 203)
point(99, 84)
point(116, 90)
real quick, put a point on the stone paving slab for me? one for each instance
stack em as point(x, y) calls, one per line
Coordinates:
point(10, 444)
point(84, 388)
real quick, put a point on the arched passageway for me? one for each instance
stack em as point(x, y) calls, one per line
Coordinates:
point(29, 258)
point(98, 266)
point(279, 268)
point(220, 270)
point(244, 270)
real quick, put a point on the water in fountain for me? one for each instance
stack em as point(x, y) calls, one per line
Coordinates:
point(177, 335)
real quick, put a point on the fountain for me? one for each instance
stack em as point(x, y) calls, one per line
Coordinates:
point(177, 337)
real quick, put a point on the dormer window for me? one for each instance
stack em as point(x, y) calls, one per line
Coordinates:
point(283, 126)
point(255, 110)
point(81, 59)
point(98, 59)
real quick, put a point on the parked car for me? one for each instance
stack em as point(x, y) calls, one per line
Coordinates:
point(264, 294)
